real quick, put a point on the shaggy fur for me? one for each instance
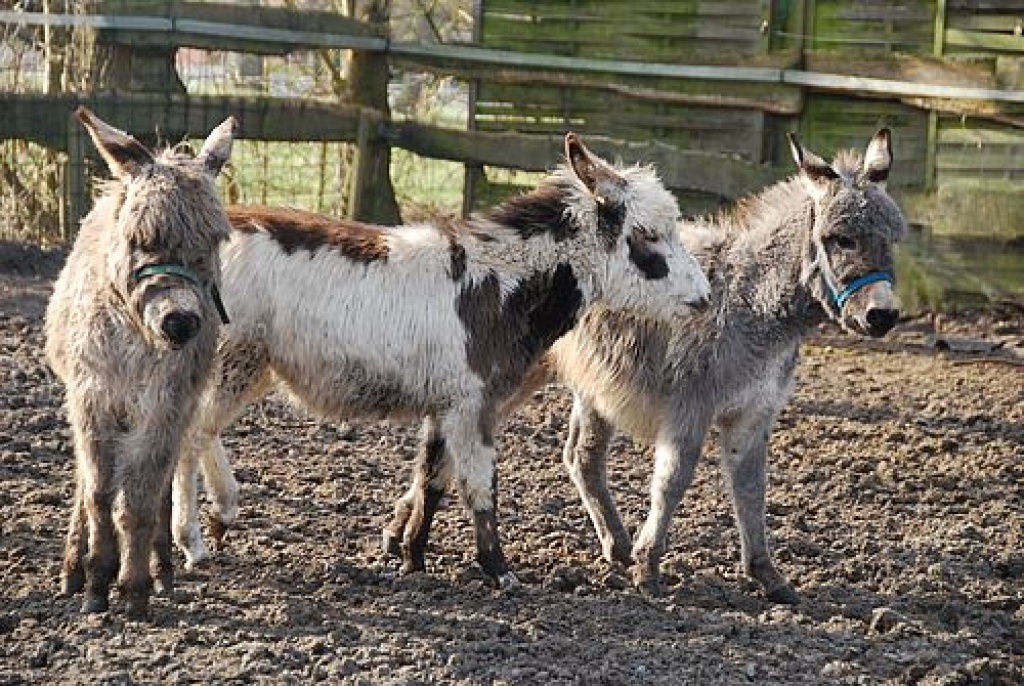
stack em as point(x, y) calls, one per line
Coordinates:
point(135, 350)
point(431, 322)
point(774, 264)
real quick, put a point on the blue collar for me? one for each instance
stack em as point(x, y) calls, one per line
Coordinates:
point(860, 282)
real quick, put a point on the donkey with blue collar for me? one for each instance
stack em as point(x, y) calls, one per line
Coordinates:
point(131, 330)
point(818, 246)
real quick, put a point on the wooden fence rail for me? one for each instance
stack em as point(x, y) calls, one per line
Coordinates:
point(727, 108)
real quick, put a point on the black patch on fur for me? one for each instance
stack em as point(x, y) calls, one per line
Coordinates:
point(542, 211)
point(433, 456)
point(458, 258)
point(489, 554)
point(652, 265)
point(610, 218)
point(875, 175)
point(296, 230)
point(506, 339)
point(551, 302)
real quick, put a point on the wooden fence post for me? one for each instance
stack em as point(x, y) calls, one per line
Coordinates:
point(373, 196)
point(76, 202)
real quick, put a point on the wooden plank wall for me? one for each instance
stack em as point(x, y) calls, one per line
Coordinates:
point(931, 148)
point(870, 30)
point(679, 32)
point(986, 32)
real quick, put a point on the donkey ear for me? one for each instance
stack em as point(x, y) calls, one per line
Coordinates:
point(217, 147)
point(816, 172)
point(123, 154)
point(878, 158)
point(589, 168)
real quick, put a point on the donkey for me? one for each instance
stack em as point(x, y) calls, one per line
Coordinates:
point(815, 247)
point(131, 330)
point(421, 321)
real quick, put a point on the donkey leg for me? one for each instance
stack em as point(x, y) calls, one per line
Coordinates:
point(429, 457)
point(675, 457)
point(489, 554)
point(744, 458)
point(135, 522)
point(143, 495)
point(101, 562)
point(185, 507)
point(394, 532)
point(415, 510)
point(94, 464)
point(207, 451)
point(471, 442)
point(72, 576)
point(161, 563)
point(222, 488)
point(243, 375)
point(584, 456)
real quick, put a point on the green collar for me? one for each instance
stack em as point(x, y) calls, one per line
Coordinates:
point(172, 269)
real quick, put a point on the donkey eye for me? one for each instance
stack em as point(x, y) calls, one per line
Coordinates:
point(845, 242)
point(646, 234)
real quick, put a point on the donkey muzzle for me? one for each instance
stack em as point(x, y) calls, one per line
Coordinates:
point(180, 327)
point(880, 320)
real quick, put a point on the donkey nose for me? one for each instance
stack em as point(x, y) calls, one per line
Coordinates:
point(180, 327)
point(881, 320)
point(700, 303)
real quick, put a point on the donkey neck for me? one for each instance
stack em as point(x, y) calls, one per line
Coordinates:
point(534, 235)
point(528, 281)
point(761, 260)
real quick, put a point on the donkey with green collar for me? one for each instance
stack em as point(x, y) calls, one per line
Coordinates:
point(131, 330)
point(813, 248)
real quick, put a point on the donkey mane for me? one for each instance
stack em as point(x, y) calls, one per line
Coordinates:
point(538, 212)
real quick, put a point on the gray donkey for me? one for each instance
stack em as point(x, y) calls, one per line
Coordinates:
point(817, 246)
point(131, 330)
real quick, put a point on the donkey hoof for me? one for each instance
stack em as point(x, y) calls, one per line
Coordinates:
point(163, 582)
point(95, 603)
point(137, 606)
point(72, 582)
point(411, 567)
point(391, 544)
point(509, 581)
point(218, 530)
point(647, 582)
point(783, 595)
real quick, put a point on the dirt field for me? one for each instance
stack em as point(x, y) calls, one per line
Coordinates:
point(896, 504)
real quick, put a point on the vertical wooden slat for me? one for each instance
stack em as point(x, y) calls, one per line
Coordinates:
point(767, 26)
point(362, 169)
point(473, 173)
point(810, 29)
point(938, 47)
point(76, 202)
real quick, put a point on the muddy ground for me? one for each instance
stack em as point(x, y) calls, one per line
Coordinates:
point(896, 504)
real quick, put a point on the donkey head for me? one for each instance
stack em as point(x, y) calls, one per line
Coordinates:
point(646, 268)
point(849, 262)
point(164, 227)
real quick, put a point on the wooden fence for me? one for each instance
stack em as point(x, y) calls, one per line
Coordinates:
point(846, 68)
point(704, 90)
